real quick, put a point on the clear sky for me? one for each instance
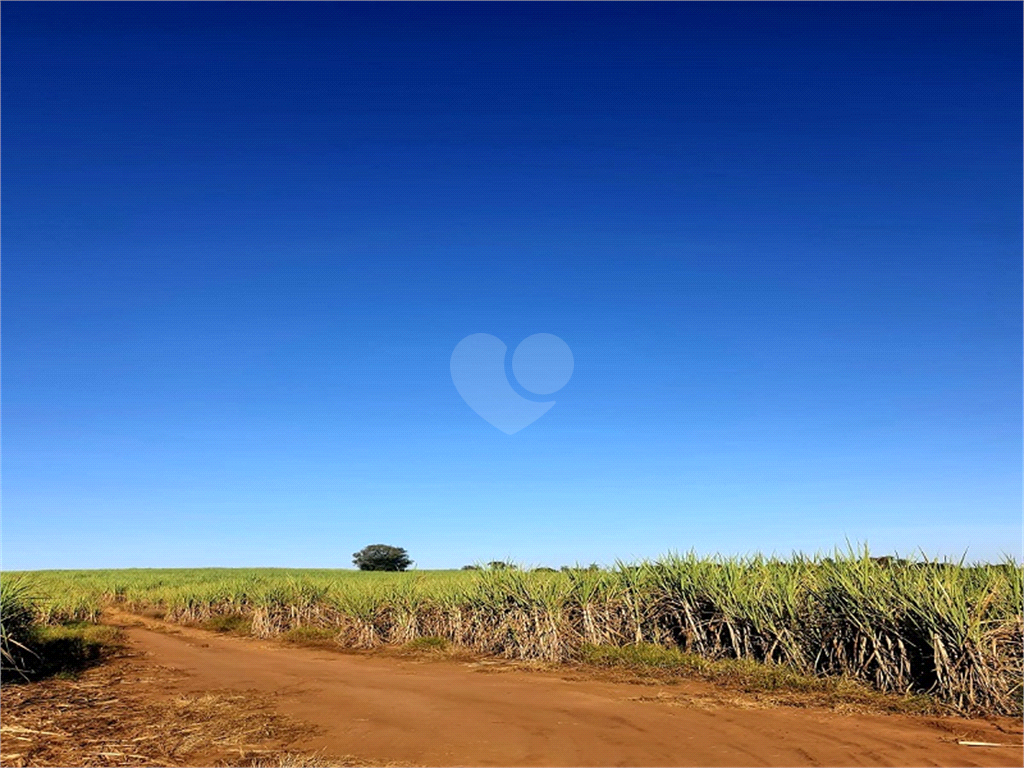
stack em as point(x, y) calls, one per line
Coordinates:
point(241, 242)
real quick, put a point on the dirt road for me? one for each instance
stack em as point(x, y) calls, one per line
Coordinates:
point(449, 713)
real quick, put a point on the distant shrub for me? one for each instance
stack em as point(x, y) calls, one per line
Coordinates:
point(471, 567)
point(381, 557)
point(500, 565)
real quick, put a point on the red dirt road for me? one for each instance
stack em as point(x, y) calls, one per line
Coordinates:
point(446, 713)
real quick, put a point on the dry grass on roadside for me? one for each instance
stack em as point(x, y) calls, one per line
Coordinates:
point(298, 760)
point(123, 713)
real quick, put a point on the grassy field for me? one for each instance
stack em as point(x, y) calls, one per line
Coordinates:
point(948, 630)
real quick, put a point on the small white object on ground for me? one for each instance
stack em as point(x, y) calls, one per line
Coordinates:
point(985, 744)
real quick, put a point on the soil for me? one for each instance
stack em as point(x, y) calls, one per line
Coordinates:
point(439, 711)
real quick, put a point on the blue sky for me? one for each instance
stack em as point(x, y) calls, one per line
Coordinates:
point(242, 240)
